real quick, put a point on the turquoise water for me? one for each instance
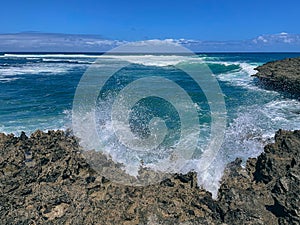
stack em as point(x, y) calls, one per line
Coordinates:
point(37, 92)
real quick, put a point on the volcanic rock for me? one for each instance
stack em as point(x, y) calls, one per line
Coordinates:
point(281, 75)
point(44, 179)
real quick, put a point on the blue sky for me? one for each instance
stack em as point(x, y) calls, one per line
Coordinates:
point(133, 20)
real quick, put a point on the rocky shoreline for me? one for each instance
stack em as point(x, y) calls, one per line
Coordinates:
point(44, 179)
point(281, 75)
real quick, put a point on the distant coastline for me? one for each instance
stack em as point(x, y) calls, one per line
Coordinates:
point(59, 42)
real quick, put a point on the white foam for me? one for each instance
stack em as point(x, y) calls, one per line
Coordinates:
point(36, 68)
point(66, 61)
point(56, 68)
point(251, 129)
point(156, 60)
point(36, 56)
point(7, 79)
point(284, 113)
point(246, 136)
point(147, 60)
point(241, 77)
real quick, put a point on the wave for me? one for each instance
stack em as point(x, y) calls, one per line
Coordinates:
point(72, 61)
point(250, 128)
point(34, 56)
point(15, 72)
point(246, 135)
point(219, 68)
point(146, 60)
point(32, 69)
point(240, 77)
point(7, 79)
point(155, 60)
point(30, 124)
point(284, 113)
point(255, 125)
point(253, 128)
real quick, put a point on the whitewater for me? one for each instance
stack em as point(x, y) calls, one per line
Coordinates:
point(37, 92)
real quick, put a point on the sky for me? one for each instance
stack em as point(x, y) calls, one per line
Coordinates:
point(133, 20)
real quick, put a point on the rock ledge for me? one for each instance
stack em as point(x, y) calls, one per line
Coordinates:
point(281, 75)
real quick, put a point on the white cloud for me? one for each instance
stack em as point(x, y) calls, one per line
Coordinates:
point(283, 33)
point(55, 42)
point(90, 43)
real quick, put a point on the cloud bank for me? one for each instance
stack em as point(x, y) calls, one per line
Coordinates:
point(49, 42)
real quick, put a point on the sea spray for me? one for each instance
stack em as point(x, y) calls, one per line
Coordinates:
point(37, 92)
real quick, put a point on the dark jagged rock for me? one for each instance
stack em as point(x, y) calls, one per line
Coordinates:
point(282, 75)
point(44, 179)
point(267, 190)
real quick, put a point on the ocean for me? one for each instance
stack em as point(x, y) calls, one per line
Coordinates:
point(37, 92)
